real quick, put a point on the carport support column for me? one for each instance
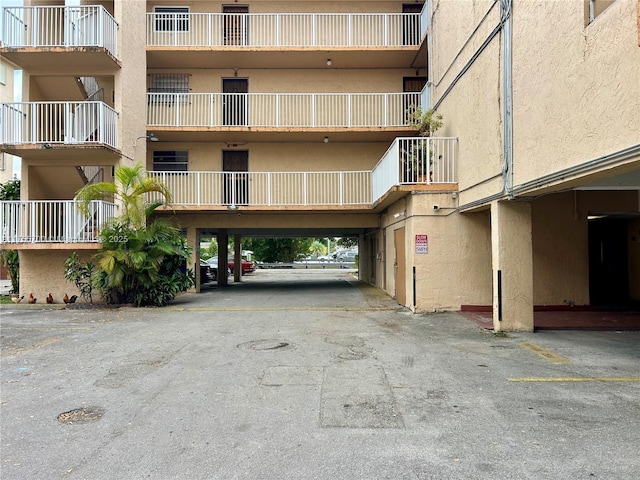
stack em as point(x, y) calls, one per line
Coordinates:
point(237, 258)
point(512, 259)
point(223, 254)
point(193, 241)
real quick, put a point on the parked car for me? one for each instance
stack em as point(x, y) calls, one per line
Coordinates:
point(212, 263)
point(345, 256)
point(205, 272)
point(247, 266)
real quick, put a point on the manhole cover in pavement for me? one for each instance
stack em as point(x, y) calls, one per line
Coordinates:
point(267, 345)
point(81, 415)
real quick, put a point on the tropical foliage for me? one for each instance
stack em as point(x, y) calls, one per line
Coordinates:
point(82, 275)
point(284, 250)
point(10, 259)
point(129, 191)
point(426, 122)
point(138, 263)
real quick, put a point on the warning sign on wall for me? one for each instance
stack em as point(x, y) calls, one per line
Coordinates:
point(422, 244)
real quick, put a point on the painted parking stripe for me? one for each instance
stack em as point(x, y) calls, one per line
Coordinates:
point(575, 379)
point(542, 352)
point(279, 309)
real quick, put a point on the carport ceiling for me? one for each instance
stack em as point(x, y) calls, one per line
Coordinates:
point(288, 232)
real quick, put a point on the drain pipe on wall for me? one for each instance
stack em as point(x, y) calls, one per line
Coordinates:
point(507, 93)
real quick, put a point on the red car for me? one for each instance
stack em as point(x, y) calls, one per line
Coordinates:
point(247, 266)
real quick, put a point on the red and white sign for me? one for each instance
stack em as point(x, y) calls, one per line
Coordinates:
point(422, 244)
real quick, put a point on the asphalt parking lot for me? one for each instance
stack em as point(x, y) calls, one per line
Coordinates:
point(309, 375)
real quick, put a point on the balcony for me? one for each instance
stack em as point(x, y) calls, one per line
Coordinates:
point(280, 110)
point(50, 125)
point(267, 189)
point(416, 161)
point(409, 164)
point(201, 39)
point(66, 38)
point(301, 30)
point(52, 221)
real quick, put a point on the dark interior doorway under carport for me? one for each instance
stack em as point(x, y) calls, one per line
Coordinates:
point(614, 261)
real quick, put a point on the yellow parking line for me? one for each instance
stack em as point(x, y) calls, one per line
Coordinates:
point(278, 309)
point(575, 379)
point(542, 352)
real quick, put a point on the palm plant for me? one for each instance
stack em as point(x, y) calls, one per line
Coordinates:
point(138, 263)
point(130, 190)
point(419, 158)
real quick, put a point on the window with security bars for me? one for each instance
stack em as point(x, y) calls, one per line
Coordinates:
point(167, 87)
point(170, 160)
point(171, 19)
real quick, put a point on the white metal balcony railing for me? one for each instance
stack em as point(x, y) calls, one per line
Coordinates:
point(408, 161)
point(267, 188)
point(58, 122)
point(52, 221)
point(63, 26)
point(280, 109)
point(416, 160)
point(285, 29)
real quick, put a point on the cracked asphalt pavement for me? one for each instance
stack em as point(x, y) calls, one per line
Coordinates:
point(309, 375)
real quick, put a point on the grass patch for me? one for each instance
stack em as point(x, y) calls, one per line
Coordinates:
point(5, 300)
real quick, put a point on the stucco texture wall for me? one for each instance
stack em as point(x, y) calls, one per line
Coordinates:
point(575, 89)
point(299, 80)
point(42, 272)
point(283, 157)
point(457, 268)
point(302, 6)
point(561, 244)
point(472, 109)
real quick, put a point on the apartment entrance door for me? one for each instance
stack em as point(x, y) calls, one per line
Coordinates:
point(400, 266)
point(235, 179)
point(235, 25)
point(234, 101)
point(412, 84)
point(608, 262)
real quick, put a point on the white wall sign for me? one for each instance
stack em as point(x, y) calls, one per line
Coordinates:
point(422, 244)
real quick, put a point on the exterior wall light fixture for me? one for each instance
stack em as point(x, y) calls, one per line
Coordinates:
point(151, 137)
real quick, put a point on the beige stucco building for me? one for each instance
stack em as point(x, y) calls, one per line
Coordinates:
point(290, 118)
point(6, 95)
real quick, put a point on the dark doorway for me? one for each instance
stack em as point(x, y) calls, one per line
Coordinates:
point(411, 24)
point(412, 84)
point(234, 101)
point(235, 187)
point(608, 262)
point(235, 26)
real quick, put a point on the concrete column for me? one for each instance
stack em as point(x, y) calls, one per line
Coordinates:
point(237, 258)
point(223, 253)
point(193, 242)
point(130, 81)
point(512, 260)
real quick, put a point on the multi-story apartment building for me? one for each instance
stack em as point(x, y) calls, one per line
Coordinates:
point(290, 118)
point(6, 95)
